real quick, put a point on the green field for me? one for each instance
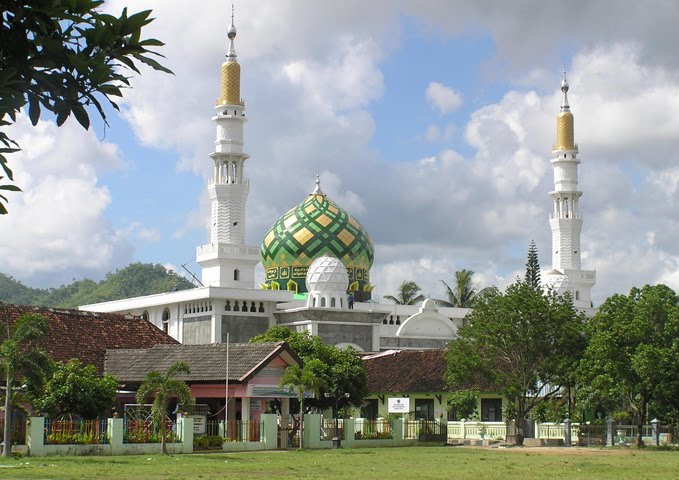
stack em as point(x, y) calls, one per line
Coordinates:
point(358, 464)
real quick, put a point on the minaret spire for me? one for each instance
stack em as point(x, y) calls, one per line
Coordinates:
point(227, 261)
point(564, 88)
point(566, 220)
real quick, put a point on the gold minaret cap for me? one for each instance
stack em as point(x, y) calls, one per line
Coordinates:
point(565, 137)
point(230, 81)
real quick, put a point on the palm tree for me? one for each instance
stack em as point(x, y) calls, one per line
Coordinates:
point(408, 294)
point(464, 294)
point(21, 354)
point(302, 380)
point(162, 387)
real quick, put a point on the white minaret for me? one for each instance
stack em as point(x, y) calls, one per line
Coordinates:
point(566, 220)
point(227, 261)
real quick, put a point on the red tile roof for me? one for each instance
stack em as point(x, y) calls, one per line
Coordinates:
point(87, 335)
point(406, 371)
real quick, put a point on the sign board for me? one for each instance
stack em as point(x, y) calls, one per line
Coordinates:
point(199, 423)
point(399, 405)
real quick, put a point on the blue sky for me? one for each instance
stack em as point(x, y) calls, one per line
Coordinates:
point(430, 121)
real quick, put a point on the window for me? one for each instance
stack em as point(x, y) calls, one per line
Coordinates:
point(332, 302)
point(491, 409)
point(577, 294)
point(145, 315)
point(166, 320)
point(236, 275)
point(323, 302)
point(424, 409)
point(370, 409)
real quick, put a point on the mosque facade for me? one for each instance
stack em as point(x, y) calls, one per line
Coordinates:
point(317, 255)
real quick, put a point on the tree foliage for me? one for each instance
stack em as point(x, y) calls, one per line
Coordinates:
point(64, 56)
point(633, 355)
point(162, 387)
point(135, 280)
point(521, 343)
point(408, 294)
point(533, 267)
point(74, 388)
point(464, 294)
point(341, 371)
point(21, 356)
point(308, 378)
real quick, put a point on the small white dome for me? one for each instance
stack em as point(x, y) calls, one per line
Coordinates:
point(429, 304)
point(327, 275)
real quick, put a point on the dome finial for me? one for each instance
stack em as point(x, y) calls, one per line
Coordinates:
point(564, 88)
point(231, 54)
point(317, 190)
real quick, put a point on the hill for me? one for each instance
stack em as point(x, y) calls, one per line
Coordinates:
point(135, 280)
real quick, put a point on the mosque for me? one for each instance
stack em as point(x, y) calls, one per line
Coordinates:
point(318, 254)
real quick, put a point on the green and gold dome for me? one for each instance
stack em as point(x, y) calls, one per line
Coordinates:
point(316, 227)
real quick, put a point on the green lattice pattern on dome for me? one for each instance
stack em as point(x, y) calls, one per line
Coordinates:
point(313, 228)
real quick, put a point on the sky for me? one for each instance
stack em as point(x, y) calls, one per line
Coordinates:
point(430, 121)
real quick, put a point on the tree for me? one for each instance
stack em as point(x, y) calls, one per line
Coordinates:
point(632, 355)
point(522, 343)
point(464, 294)
point(341, 371)
point(21, 355)
point(408, 294)
point(163, 386)
point(533, 267)
point(65, 56)
point(302, 380)
point(74, 388)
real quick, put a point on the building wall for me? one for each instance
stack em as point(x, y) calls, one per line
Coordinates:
point(242, 328)
point(196, 330)
point(387, 343)
point(333, 334)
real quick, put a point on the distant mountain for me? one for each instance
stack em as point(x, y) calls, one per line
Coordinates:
point(135, 280)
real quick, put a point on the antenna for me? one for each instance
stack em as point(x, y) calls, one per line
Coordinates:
point(192, 275)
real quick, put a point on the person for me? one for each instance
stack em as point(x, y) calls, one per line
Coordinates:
point(351, 300)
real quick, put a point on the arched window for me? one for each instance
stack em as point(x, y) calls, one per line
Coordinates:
point(145, 315)
point(577, 294)
point(322, 302)
point(236, 275)
point(313, 303)
point(166, 320)
point(332, 302)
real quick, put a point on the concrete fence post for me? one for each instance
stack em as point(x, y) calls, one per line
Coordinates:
point(116, 435)
point(35, 436)
point(270, 430)
point(463, 429)
point(186, 426)
point(655, 424)
point(567, 439)
point(610, 423)
point(536, 426)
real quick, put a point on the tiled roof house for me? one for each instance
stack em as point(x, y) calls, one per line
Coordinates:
point(87, 335)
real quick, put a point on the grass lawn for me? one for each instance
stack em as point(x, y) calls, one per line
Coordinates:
point(358, 464)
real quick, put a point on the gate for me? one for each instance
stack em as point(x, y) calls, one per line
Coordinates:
point(288, 431)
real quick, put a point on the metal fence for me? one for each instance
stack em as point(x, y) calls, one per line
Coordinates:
point(76, 432)
point(213, 428)
point(331, 428)
point(17, 430)
point(243, 431)
point(147, 431)
point(373, 430)
point(426, 430)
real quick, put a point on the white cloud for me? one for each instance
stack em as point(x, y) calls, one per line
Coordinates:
point(57, 224)
point(443, 99)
